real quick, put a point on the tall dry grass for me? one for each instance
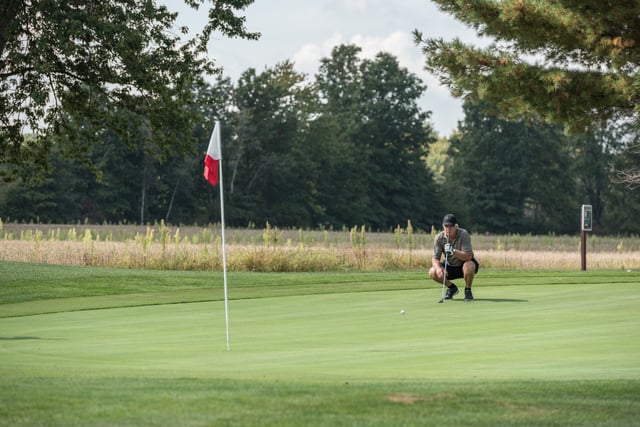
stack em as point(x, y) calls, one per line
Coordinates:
point(274, 250)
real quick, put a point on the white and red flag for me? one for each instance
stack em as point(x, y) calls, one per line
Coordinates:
point(213, 156)
point(213, 174)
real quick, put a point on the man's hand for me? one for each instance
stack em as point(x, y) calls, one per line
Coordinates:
point(448, 249)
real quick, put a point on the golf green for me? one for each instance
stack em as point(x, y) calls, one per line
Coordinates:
point(528, 332)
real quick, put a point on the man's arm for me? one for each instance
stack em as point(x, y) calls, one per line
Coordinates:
point(437, 253)
point(435, 262)
point(462, 255)
point(466, 252)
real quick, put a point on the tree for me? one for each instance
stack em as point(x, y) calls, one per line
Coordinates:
point(69, 193)
point(109, 65)
point(343, 190)
point(571, 61)
point(380, 177)
point(622, 202)
point(509, 177)
point(438, 159)
point(134, 187)
point(271, 169)
point(397, 135)
point(627, 170)
point(594, 154)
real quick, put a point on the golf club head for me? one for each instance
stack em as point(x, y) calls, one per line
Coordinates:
point(440, 301)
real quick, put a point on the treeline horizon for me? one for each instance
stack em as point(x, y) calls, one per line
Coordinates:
point(350, 147)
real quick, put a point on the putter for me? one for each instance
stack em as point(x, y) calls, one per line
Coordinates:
point(444, 279)
point(444, 273)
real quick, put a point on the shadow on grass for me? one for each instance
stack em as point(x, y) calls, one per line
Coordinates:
point(487, 300)
point(27, 338)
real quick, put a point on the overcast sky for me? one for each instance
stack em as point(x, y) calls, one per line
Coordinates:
point(304, 31)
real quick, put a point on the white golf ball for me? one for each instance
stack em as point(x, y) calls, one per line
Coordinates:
point(401, 311)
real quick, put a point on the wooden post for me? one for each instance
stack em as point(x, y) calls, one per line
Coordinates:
point(583, 249)
point(586, 223)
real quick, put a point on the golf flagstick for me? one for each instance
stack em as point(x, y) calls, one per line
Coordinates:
point(213, 174)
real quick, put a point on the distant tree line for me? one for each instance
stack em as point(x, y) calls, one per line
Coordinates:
point(350, 147)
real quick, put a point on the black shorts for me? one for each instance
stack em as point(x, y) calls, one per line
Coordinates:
point(455, 272)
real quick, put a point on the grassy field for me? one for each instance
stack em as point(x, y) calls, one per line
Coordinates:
point(402, 236)
point(272, 250)
point(94, 346)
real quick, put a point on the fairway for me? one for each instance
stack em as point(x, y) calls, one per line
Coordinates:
point(569, 334)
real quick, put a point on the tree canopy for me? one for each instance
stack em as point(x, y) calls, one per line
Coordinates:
point(71, 70)
point(378, 173)
point(570, 61)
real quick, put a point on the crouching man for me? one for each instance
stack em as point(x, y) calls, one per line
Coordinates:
point(455, 243)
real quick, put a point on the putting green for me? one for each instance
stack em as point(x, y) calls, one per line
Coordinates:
point(510, 332)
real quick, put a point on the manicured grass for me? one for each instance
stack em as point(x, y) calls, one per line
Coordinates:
point(90, 347)
point(146, 401)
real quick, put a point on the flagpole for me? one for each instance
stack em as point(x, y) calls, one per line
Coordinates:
point(224, 246)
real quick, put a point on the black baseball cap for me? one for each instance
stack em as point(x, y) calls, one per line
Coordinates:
point(449, 219)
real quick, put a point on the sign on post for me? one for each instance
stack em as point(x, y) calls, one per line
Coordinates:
point(586, 224)
point(587, 217)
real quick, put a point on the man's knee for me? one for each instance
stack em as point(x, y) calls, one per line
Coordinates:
point(469, 268)
point(433, 274)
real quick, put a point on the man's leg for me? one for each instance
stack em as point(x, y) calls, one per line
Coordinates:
point(469, 272)
point(438, 278)
point(452, 289)
point(434, 275)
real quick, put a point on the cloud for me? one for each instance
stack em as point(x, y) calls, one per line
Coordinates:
point(446, 111)
point(307, 57)
point(356, 5)
point(399, 44)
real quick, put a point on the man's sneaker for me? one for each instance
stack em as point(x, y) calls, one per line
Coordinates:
point(451, 291)
point(468, 296)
